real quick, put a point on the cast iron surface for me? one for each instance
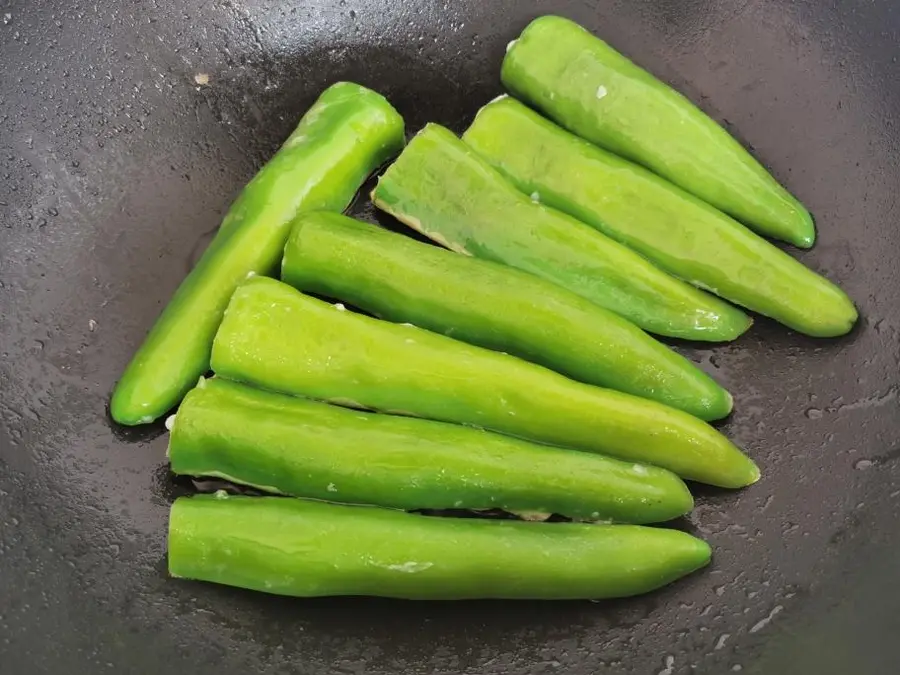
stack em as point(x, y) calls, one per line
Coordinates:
point(115, 166)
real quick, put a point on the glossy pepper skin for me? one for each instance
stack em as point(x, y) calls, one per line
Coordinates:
point(303, 548)
point(592, 90)
point(493, 306)
point(442, 188)
point(680, 233)
point(304, 448)
point(277, 338)
point(344, 137)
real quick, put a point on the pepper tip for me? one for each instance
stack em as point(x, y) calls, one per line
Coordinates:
point(755, 474)
point(805, 241)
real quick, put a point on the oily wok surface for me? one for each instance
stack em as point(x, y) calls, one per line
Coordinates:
point(125, 131)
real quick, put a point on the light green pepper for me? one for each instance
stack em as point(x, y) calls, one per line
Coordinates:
point(491, 305)
point(304, 448)
point(589, 88)
point(442, 188)
point(344, 137)
point(304, 548)
point(680, 233)
point(277, 338)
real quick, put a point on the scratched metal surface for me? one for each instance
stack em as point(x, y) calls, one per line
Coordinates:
point(117, 158)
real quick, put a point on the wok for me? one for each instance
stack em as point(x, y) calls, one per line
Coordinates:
point(126, 128)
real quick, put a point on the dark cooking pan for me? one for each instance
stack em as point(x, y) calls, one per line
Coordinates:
point(126, 128)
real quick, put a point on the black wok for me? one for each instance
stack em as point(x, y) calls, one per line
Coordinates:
point(118, 158)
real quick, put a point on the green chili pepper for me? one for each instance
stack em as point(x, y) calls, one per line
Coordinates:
point(491, 305)
point(345, 136)
point(303, 448)
point(304, 548)
point(445, 190)
point(589, 88)
point(680, 233)
point(275, 337)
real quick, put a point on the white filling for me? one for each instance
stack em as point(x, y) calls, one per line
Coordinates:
point(222, 494)
point(533, 516)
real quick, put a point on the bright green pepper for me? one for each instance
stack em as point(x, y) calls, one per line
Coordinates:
point(277, 338)
point(491, 305)
point(346, 135)
point(304, 448)
point(445, 190)
point(303, 548)
point(589, 88)
point(680, 233)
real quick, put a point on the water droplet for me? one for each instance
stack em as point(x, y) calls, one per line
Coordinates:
point(814, 414)
point(42, 222)
point(670, 666)
point(762, 623)
point(864, 464)
point(39, 344)
point(53, 211)
point(7, 18)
